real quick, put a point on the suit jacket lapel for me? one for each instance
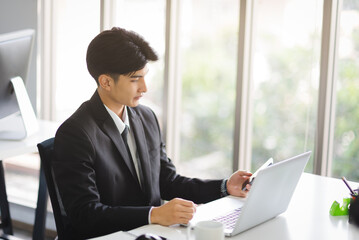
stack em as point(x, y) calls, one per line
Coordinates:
point(109, 127)
point(138, 131)
point(118, 141)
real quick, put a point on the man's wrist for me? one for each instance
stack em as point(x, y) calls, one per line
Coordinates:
point(154, 218)
point(149, 215)
point(224, 191)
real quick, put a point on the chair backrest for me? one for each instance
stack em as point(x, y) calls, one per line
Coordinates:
point(64, 230)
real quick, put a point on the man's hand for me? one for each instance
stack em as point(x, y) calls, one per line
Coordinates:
point(236, 181)
point(176, 211)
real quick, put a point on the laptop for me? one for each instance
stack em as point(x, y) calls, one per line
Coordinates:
point(269, 196)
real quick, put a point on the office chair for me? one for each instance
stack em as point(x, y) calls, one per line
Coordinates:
point(64, 230)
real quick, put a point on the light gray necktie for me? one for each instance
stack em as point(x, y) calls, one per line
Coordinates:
point(124, 137)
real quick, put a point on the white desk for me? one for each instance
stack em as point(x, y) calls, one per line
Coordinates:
point(9, 148)
point(307, 217)
point(15, 148)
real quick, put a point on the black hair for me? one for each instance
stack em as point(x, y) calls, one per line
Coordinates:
point(118, 51)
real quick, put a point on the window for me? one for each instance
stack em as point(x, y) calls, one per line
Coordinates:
point(285, 78)
point(208, 36)
point(346, 144)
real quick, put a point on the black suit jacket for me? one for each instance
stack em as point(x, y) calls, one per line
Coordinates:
point(96, 177)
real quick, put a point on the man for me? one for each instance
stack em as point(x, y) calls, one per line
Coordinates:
point(111, 180)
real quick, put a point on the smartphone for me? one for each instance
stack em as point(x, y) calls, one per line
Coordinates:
point(251, 179)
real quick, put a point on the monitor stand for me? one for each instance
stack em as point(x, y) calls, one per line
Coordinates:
point(21, 125)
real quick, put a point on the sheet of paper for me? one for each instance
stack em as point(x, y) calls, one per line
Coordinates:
point(171, 233)
point(117, 235)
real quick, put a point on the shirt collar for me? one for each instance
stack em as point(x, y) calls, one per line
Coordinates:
point(118, 121)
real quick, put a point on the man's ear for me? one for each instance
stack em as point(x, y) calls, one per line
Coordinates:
point(105, 82)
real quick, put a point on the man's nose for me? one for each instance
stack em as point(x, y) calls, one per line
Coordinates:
point(143, 85)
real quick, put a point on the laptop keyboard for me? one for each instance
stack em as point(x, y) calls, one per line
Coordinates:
point(229, 219)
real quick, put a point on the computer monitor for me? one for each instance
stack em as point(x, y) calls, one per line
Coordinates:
point(15, 55)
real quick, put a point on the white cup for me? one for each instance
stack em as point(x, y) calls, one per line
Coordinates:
point(209, 230)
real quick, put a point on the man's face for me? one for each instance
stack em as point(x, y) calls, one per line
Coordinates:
point(129, 89)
